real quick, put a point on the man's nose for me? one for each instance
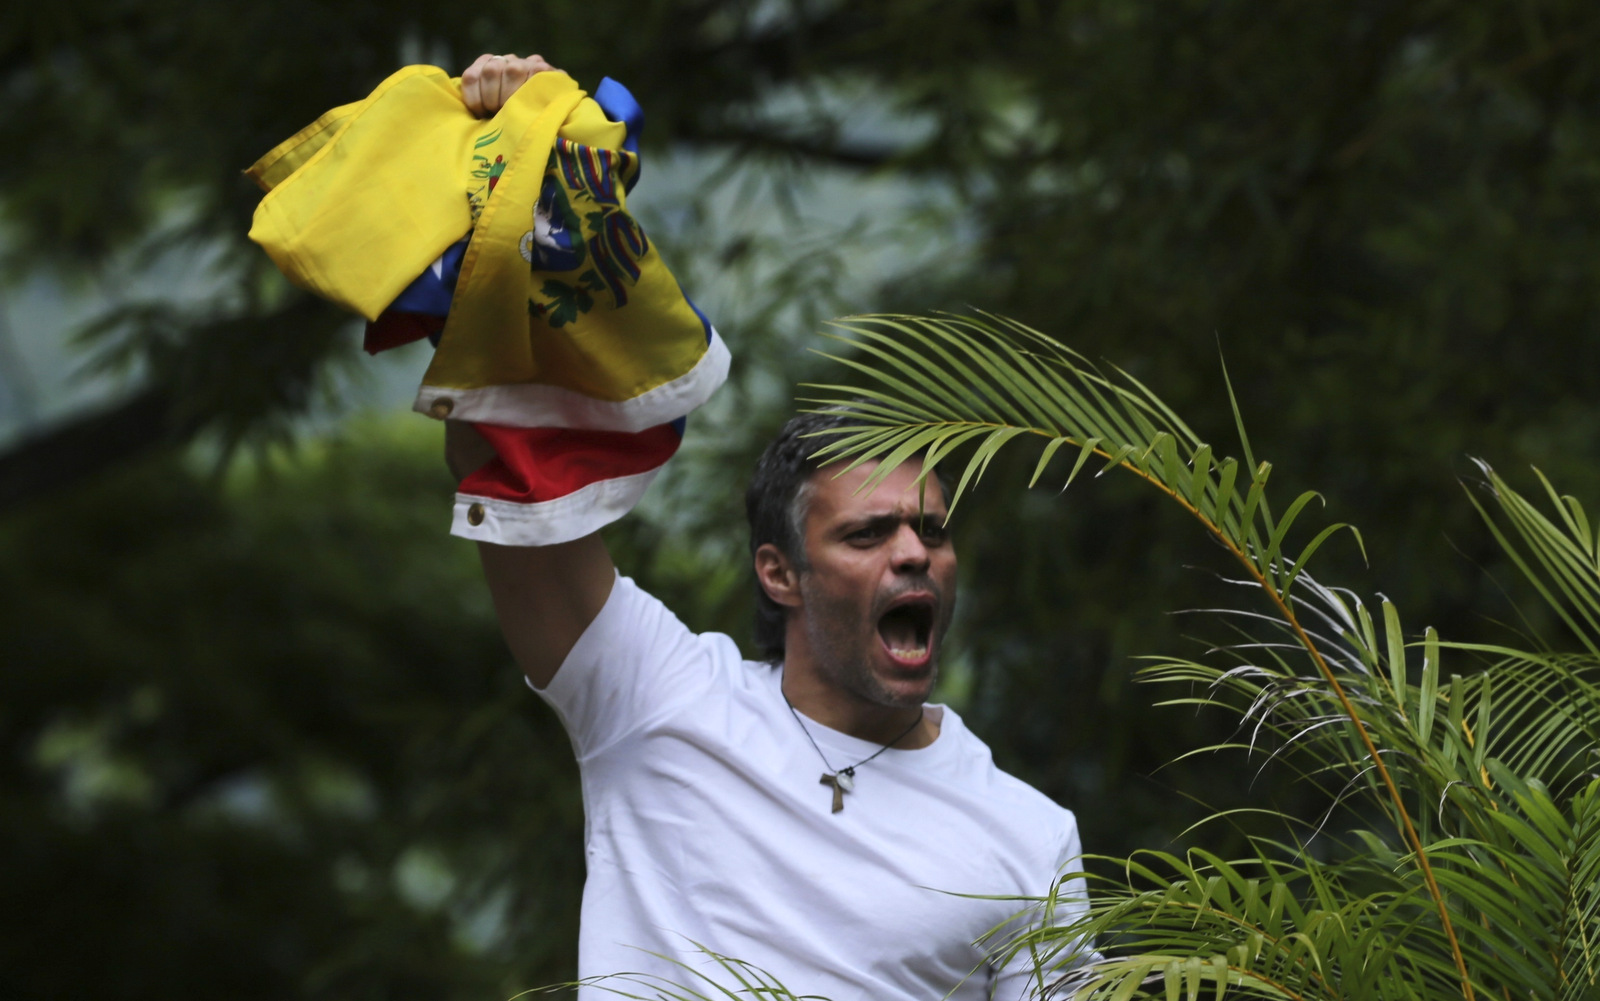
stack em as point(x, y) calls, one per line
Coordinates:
point(910, 553)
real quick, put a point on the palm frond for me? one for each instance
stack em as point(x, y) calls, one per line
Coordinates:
point(932, 379)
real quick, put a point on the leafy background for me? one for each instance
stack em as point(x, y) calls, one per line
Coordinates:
point(258, 735)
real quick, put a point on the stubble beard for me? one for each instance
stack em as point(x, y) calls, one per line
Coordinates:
point(833, 627)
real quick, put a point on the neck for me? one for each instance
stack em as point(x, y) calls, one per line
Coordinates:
point(853, 715)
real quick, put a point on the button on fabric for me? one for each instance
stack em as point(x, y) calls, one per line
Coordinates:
point(441, 409)
point(475, 515)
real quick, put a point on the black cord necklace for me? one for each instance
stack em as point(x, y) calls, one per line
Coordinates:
point(843, 780)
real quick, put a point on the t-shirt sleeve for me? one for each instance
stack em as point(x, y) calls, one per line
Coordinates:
point(636, 663)
point(1064, 961)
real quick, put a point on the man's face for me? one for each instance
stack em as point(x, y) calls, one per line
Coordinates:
point(881, 585)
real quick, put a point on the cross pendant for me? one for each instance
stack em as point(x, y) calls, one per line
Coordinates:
point(842, 783)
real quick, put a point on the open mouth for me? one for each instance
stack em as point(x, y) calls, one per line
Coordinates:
point(907, 632)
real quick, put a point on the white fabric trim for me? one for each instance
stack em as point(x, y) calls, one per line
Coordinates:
point(573, 516)
point(546, 406)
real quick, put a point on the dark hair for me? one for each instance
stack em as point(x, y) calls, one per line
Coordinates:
point(776, 503)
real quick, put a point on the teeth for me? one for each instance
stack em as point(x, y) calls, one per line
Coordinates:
point(916, 654)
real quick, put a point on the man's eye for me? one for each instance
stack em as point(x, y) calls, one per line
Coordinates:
point(935, 533)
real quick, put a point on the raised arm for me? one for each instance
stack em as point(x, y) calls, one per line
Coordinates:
point(544, 596)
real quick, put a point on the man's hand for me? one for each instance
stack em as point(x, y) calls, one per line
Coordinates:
point(490, 81)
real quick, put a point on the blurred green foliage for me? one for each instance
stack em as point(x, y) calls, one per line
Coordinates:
point(262, 738)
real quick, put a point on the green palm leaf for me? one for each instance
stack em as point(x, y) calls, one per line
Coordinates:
point(1489, 880)
point(938, 377)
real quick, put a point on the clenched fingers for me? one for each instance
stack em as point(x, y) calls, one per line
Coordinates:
point(490, 81)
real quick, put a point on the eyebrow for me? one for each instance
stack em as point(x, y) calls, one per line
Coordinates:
point(888, 520)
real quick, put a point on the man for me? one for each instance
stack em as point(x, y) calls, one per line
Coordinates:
point(809, 814)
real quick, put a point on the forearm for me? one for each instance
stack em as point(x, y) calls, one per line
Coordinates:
point(544, 596)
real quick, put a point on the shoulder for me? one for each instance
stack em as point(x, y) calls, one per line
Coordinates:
point(636, 625)
point(635, 666)
point(633, 614)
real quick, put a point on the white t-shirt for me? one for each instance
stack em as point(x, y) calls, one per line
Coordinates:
point(707, 828)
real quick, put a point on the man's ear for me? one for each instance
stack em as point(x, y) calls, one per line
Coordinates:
point(777, 575)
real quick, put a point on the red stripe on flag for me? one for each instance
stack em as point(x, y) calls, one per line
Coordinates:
point(391, 330)
point(540, 464)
